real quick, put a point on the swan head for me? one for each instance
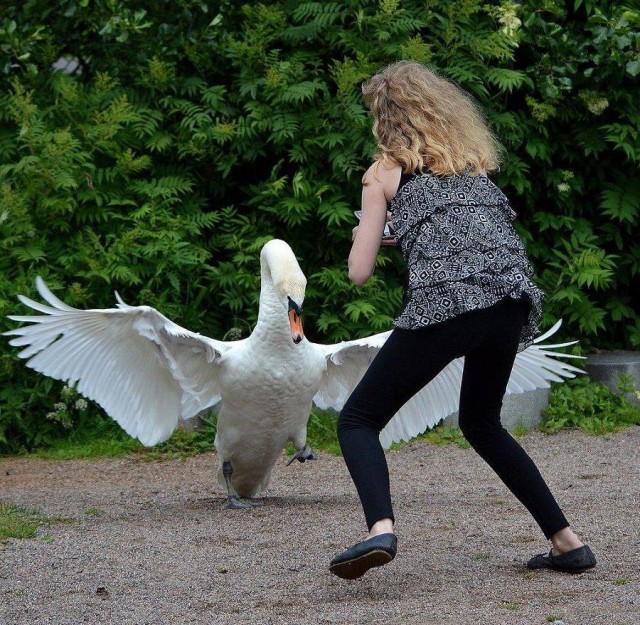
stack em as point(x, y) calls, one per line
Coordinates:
point(281, 267)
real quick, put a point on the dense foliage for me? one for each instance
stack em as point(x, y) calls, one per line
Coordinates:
point(182, 135)
point(591, 406)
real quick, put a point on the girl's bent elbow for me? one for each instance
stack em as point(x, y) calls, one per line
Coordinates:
point(358, 277)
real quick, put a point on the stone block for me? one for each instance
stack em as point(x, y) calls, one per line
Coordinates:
point(607, 366)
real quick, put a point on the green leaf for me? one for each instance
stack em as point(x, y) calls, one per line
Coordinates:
point(633, 67)
point(354, 310)
point(507, 79)
point(622, 200)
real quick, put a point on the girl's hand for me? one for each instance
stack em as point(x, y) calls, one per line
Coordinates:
point(391, 239)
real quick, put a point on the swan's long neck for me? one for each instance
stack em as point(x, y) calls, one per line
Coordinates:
point(273, 322)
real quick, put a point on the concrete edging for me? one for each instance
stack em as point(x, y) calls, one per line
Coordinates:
point(607, 366)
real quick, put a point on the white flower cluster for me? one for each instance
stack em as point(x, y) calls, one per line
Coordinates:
point(234, 334)
point(598, 105)
point(60, 415)
point(508, 19)
point(594, 102)
point(564, 186)
point(63, 410)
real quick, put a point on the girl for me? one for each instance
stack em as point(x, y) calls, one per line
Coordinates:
point(469, 294)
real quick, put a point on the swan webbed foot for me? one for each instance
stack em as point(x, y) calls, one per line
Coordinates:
point(236, 503)
point(304, 454)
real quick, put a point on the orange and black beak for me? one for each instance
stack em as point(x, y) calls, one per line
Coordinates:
point(295, 321)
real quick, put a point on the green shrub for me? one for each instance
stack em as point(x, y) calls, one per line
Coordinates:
point(590, 406)
point(191, 135)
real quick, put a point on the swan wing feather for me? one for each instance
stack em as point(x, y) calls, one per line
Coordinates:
point(346, 363)
point(144, 370)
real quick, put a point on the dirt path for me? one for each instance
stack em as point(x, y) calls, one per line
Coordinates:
point(150, 544)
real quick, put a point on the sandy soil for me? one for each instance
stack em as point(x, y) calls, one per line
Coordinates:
point(149, 543)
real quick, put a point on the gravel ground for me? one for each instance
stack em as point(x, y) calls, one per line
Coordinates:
point(148, 542)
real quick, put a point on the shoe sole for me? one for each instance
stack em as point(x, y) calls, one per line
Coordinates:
point(352, 569)
point(572, 571)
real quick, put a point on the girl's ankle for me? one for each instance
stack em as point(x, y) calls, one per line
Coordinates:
point(384, 526)
point(565, 540)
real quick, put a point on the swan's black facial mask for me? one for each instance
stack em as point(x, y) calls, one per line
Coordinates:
point(295, 321)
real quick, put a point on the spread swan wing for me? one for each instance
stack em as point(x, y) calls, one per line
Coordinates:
point(144, 370)
point(346, 364)
point(427, 408)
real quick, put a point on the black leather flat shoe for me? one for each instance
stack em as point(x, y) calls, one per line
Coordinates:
point(357, 560)
point(574, 561)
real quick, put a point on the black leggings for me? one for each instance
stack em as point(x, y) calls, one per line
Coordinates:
point(488, 339)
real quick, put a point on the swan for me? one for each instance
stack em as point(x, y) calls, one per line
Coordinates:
point(149, 373)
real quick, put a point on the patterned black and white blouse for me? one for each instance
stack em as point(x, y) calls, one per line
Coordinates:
point(461, 249)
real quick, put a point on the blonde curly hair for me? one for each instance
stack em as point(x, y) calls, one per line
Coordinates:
point(422, 120)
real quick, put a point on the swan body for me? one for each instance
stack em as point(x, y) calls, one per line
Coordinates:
point(268, 386)
point(148, 373)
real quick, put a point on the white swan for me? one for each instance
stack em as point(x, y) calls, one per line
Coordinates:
point(148, 373)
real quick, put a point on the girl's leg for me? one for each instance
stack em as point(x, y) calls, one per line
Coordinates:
point(406, 363)
point(486, 373)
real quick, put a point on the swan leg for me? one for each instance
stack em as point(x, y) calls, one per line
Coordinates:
point(302, 455)
point(234, 502)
